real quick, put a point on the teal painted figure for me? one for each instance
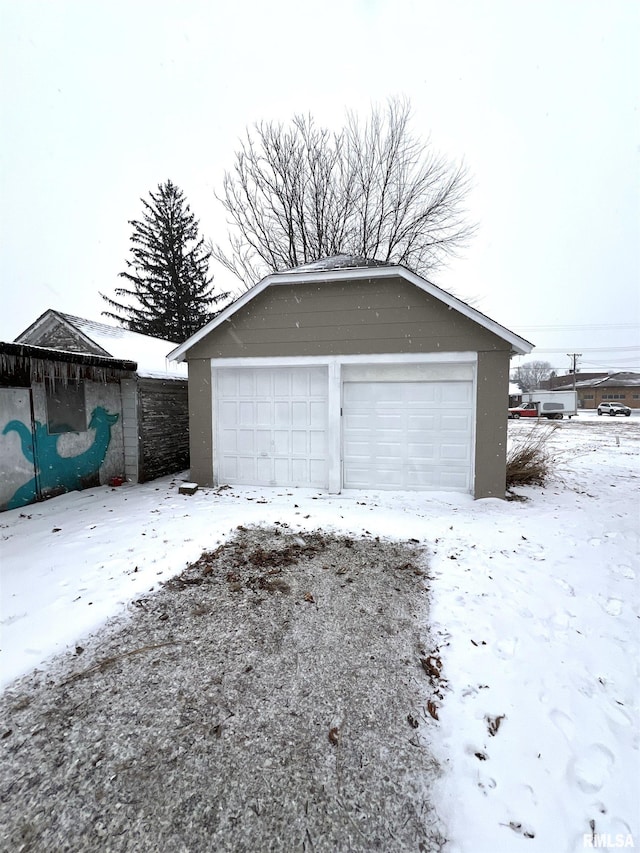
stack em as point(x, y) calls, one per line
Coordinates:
point(55, 473)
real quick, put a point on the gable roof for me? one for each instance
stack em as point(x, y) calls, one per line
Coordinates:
point(621, 379)
point(112, 342)
point(350, 268)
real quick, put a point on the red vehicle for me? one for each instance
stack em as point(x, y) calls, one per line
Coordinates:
point(537, 410)
point(525, 410)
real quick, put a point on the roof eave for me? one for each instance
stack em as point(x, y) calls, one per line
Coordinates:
point(14, 348)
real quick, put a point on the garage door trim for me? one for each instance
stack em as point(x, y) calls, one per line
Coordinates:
point(336, 378)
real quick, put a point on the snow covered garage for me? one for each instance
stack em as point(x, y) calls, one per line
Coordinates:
point(350, 374)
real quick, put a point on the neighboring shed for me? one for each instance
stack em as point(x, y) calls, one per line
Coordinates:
point(62, 421)
point(153, 398)
point(515, 394)
point(349, 373)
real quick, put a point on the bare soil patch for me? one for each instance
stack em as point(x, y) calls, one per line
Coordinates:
point(279, 695)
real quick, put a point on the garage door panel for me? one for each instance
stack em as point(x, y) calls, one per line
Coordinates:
point(421, 479)
point(229, 468)
point(300, 384)
point(456, 392)
point(278, 443)
point(317, 382)
point(271, 426)
point(228, 413)
point(455, 423)
point(421, 452)
point(454, 451)
point(299, 443)
point(245, 385)
point(389, 477)
point(356, 420)
point(389, 420)
point(422, 422)
point(245, 413)
point(299, 414)
point(263, 413)
point(317, 470)
point(388, 453)
point(362, 477)
point(388, 436)
point(279, 382)
point(260, 469)
point(246, 441)
point(317, 444)
point(453, 481)
point(228, 440)
point(299, 470)
point(281, 413)
point(318, 414)
point(413, 435)
point(228, 385)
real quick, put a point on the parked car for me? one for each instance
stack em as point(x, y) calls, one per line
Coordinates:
point(532, 410)
point(613, 409)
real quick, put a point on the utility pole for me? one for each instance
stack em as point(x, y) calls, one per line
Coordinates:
point(574, 356)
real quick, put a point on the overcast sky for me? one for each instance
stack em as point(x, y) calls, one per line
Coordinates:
point(101, 101)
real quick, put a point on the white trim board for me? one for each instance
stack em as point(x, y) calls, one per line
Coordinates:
point(377, 358)
point(464, 368)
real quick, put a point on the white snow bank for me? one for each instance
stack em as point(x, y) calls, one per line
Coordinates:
point(535, 611)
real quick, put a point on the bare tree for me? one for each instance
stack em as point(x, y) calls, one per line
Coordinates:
point(301, 193)
point(531, 374)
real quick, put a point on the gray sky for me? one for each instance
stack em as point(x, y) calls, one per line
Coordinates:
point(101, 101)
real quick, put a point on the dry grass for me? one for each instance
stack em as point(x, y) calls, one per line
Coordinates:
point(530, 461)
point(280, 695)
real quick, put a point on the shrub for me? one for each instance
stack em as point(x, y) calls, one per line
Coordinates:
point(529, 459)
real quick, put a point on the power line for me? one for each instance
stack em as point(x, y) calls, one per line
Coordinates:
point(586, 367)
point(594, 349)
point(577, 327)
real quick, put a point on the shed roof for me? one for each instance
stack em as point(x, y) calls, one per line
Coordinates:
point(149, 353)
point(345, 268)
point(33, 363)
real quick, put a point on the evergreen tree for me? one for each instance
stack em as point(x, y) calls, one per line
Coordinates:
point(170, 292)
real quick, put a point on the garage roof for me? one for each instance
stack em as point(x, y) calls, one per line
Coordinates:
point(350, 268)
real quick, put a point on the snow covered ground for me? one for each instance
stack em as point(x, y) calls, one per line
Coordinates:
point(535, 608)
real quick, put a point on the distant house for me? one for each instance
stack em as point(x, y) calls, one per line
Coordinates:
point(82, 403)
point(621, 387)
point(559, 383)
point(350, 373)
point(515, 394)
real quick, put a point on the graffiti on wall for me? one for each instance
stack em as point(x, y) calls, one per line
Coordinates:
point(55, 473)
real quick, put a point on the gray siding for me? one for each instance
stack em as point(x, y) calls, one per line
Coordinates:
point(345, 318)
point(201, 422)
point(491, 424)
point(163, 427)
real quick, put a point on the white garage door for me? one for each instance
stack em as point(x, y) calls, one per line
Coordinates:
point(408, 435)
point(272, 426)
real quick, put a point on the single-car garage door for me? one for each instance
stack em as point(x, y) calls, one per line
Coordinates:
point(408, 435)
point(272, 426)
